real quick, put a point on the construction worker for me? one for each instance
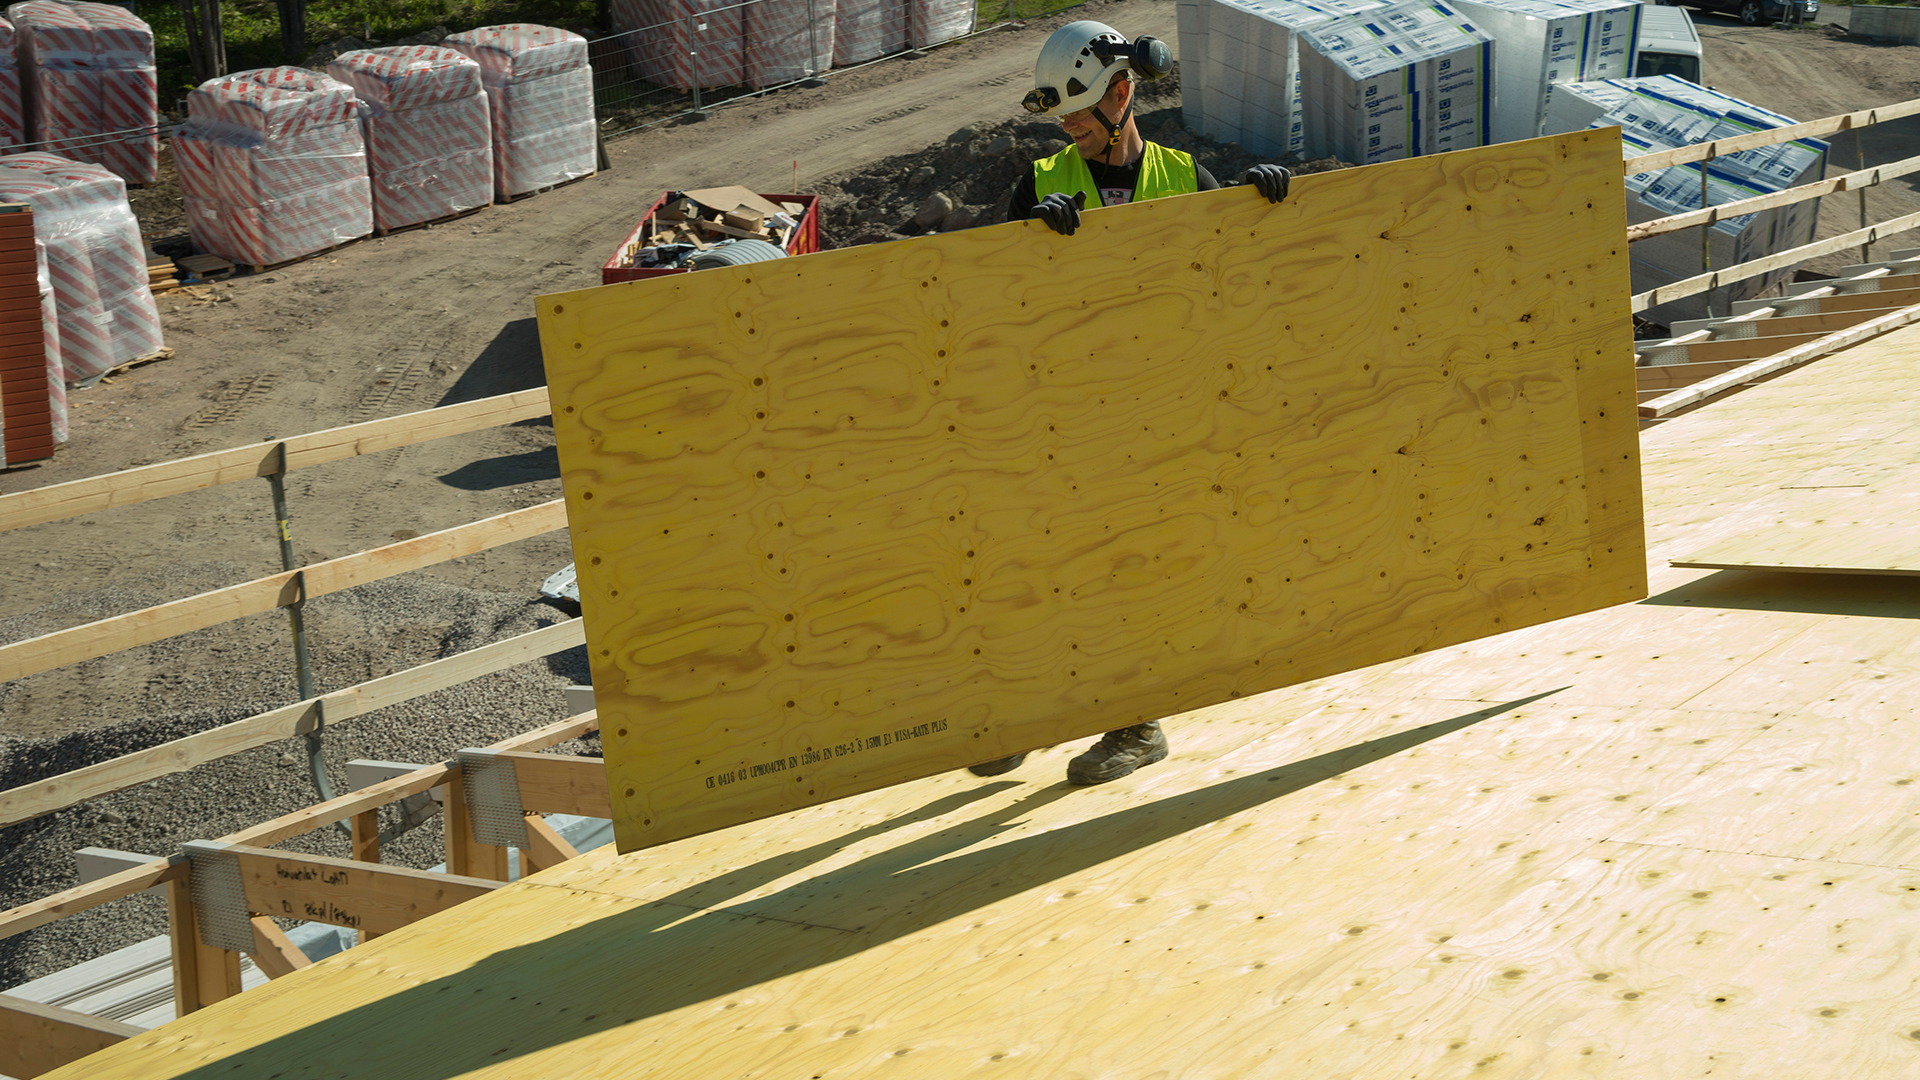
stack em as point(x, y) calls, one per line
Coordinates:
point(1085, 77)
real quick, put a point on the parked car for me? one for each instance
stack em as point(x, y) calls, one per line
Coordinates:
point(1755, 12)
point(1668, 45)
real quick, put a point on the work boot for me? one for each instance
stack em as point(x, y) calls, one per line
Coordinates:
point(997, 766)
point(1119, 753)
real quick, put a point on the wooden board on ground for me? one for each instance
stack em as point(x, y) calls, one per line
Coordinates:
point(1850, 504)
point(888, 511)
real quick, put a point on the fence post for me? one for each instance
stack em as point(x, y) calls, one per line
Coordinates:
point(693, 68)
point(1706, 233)
point(1860, 162)
point(302, 661)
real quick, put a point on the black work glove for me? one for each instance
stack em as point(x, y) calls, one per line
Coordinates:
point(1061, 214)
point(1268, 180)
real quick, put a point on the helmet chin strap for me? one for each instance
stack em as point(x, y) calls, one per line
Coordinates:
point(1113, 128)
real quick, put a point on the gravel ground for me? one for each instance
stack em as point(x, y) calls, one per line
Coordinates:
point(225, 673)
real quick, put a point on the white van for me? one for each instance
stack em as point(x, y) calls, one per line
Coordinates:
point(1668, 45)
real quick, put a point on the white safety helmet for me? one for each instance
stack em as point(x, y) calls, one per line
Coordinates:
point(1081, 58)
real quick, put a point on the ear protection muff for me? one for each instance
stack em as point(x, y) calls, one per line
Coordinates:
point(1147, 57)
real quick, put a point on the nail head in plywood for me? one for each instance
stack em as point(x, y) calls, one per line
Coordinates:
point(878, 513)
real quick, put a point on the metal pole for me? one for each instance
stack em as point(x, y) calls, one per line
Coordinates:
point(1706, 234)
point(693, 68)
point(1860, 159)
point(303, 663)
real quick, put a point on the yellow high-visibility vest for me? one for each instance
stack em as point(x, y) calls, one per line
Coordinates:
point(1162, 172)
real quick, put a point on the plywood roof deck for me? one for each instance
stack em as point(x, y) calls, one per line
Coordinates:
point(1673, 838)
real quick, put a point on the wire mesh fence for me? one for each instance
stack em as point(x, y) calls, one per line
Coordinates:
point(671, 58)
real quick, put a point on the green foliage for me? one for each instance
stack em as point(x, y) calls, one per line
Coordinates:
point(990, 12)
point(252, 28)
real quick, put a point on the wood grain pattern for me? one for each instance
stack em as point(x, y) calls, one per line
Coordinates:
point(342, 892)
point(1526, 856)
point(1850, 507)
point(36, 1038)
point(883, 512)
point(557, 784)
point(274, 953)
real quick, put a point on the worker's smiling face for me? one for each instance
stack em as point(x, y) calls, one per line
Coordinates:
point(1089, 135)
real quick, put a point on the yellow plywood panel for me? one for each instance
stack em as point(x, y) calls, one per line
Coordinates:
point(1639, 961)
point(873, 514)
point(1363, 877)
point(1843, 503)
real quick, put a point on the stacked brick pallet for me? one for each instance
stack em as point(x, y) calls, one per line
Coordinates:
point(429, 138)
point(540, 95)
point(273, 166)
point(90, 86)
point(33, 415)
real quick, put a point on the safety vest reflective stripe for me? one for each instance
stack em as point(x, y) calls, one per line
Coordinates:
point(1163, 172)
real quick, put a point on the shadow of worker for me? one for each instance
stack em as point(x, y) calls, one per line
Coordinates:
point(567, 964)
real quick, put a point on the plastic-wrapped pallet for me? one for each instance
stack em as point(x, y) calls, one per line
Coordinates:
point(90, 88)
point(429, 138)
point(930, 22)
point(866, 30)
point(13, 118)
point(1240, 67)
point(1545, 42)
point(1665, 112)
point(1397, 82)
point(540, 96)
point(788, 40)
point(95, 259)
point(684, 43)
point(273, 165)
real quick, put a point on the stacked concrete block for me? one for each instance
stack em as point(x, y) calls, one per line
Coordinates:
point(1401, 81)
point(1661, 113)
point(788, 40)
point(540, 96)
point(1358, 79)
point(866, 30)
point(1546, 42)
point(96, 262)
point(1574, 106)
point(429, 138)
point(89, 84)
point(684, 44)
point(13, 117)
point(273, 165)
